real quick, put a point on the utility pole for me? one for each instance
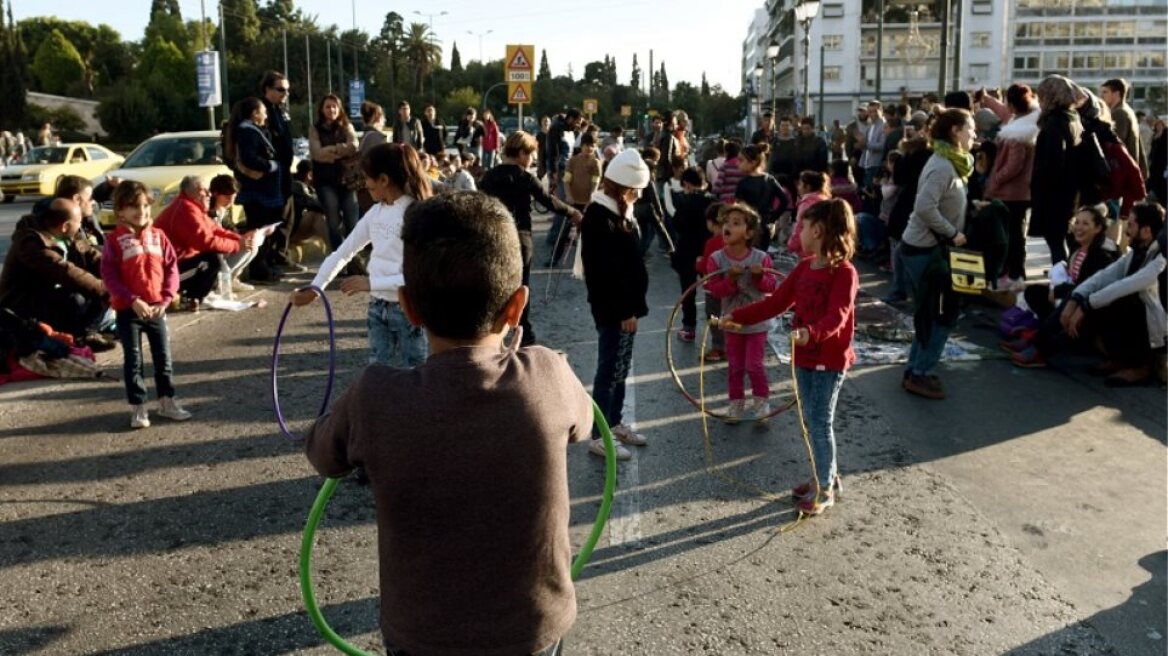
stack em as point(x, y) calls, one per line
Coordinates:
point(223, 47)
point(943, 69)
point(356, 74)
point(308, 66)
point(206, 47)
point(328, 57)
point(651, 74)
point(482, 64)
point(430, 17)
point(957, 46)
point(284, 31)
point(879, 46)
point(822, 68)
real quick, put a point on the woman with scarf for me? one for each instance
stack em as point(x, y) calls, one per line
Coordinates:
point(937, 219)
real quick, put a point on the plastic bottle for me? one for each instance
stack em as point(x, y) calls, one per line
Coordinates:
point(224, 284)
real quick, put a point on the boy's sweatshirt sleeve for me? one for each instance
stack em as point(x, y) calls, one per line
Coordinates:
point(327, 444)
point(170, 280)
point(720, 286)
point(840, 301)
point(771, 306)
point(111, 275)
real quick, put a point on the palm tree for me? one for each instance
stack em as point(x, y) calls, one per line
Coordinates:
point(421, 52)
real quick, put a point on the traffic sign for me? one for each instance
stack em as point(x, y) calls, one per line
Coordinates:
point(626, 110)
point(518, 66)
point(519, 93)
point(590, 105)
point(207, 78)
point(356, 97)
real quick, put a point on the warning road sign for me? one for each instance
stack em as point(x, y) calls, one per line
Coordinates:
point(626, 110)
point(590, 105)
point(519, 93)
point(519, 57)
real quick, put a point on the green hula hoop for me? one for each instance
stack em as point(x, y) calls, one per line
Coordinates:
point(330, 486)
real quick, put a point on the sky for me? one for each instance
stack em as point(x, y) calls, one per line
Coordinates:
point(690, 36)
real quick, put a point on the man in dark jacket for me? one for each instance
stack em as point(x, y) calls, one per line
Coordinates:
point(275, 88)
point(810, 149)
point(433, 131)
point(53, 275)
point(783, 151)
point(407, 129)
point(558, 146)
point(766, 130)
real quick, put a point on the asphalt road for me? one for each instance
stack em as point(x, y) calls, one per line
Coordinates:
point(1024, 515)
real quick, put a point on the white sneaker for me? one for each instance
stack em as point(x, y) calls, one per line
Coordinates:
point(760, 408)
point(238, 285)
point(625, 435)
point(139, 417)
point(169, 408)
point(596, 448)
point(735, 412)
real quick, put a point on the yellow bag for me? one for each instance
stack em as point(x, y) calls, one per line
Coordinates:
point(967, 271)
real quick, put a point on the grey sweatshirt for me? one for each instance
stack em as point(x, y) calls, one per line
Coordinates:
point(939, 206)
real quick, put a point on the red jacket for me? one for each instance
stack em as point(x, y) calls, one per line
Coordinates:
point(139, 265)
point(825, 304)
point(795, 242)
point(192, 232)
point(713, 244)
point(1125, 180)
point(1010, 178)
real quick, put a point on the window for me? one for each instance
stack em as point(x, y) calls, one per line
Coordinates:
point(1026, 62)
point(1057, 31)
point(1117, 60)
point(982, 7)
point(1088, 30)
point(980, 39)
point(1120, 31)
point(96, 153)
point(1060, 62)
point(833, 41)
point(979, 72)
point(833, 11)
point(832, 73)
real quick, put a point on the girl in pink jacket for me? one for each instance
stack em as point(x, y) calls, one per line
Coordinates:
point(813, 186)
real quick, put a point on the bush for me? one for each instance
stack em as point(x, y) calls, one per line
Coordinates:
point(64, 119)
point(57, 64)
point(128, 115)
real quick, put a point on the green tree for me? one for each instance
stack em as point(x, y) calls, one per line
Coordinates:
point(13, 71)
point(169, 7)
point(456, 102)
point(57, 65)
point(243, 24)
point(422, 53)
point(455, 59)
point(64, 119)
point(635, 78)
point(388, 44)
point(129, 115)
point(545, 71)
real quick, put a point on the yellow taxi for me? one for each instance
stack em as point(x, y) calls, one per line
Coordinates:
point(37, 172)
point(162, 161)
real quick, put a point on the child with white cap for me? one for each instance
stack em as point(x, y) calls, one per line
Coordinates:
point(614, 272)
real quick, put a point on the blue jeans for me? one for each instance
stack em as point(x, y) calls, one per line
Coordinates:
point(130, 331)
point(390, 333)
point(488, 159)
point(614, 357)
point(340, 208)
point(900, 283)
point(923, 357)
point(818, 393)
point(873, 231)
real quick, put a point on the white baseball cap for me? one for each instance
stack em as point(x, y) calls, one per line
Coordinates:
point(628, 170)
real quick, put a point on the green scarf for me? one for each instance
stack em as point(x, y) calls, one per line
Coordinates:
point(962, 161)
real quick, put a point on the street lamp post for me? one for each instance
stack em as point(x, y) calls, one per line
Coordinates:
point(430, 18)
point(772, 52)
point(482, 64)
point(805, 12)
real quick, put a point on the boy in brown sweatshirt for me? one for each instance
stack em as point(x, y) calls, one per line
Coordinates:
point(466, 453)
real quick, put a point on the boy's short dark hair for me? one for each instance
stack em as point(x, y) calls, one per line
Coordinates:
point(693, 176)
point(461, 262)
point(69, 186)
point(225, 184)
point(1149, 214)
point(587, 139)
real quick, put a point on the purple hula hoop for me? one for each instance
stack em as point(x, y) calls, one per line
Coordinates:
point(332, 362)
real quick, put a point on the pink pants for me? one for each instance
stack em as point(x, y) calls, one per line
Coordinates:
point(745, 354)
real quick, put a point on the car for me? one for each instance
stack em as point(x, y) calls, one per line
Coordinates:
point(162, 161)
point(37, 171)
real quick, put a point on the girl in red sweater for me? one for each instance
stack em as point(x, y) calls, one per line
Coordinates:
point(822, 288)
point(140, 270)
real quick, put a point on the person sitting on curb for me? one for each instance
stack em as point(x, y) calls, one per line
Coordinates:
point(198, 240)
point(52, 274)
point(1125, 303)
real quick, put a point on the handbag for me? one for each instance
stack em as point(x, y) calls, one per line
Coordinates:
point(242, 168)
point(967, 271)
point(352, 176)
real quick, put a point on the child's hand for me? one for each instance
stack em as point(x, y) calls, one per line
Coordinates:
point(756, 270)
point(575, 217)
point(354, 284)
point(629, 325)
point(734, 272)
point(801, 336)
point(726, 323)
point(301, 297)
point(142, 309)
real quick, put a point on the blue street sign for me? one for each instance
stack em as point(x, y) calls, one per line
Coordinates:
point(207, 78)
point(356, 97)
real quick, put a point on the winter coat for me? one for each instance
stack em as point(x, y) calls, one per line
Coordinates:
point(1052, 190)
point(906, 175)
point(139, 265)
point(192, 232)
point(1114, 283)
point(417, 132)
point(1125, 181)
point(939, 209)
point(279, 131)
point(434, 137)
point(490, 136)
point(1010, 177)
point(254, 150)
point(614, 269)
point(810, 154)
point(38, 262)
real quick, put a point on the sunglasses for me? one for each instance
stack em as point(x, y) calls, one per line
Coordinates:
point(282, 89)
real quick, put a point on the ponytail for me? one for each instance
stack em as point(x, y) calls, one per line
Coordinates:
point(401, 164)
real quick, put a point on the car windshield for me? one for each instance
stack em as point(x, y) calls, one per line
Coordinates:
point(45, 155)
point(175, 151)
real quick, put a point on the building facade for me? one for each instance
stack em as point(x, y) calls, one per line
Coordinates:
point(992, 43)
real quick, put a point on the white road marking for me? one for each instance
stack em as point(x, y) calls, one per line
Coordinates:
point(624, 524)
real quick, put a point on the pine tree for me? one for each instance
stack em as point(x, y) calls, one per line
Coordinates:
point(243, 24)
point(455, 59)
point(545, 71)
point(635, 80)
point(168, 7)
point(705, 86)
point(663, 84)
point(13, 72)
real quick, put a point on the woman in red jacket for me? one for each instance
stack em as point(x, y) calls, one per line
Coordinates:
point(490, 139)
point(1010, 178)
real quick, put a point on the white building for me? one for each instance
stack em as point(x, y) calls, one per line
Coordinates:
point(998, 41)
point(753, 56)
